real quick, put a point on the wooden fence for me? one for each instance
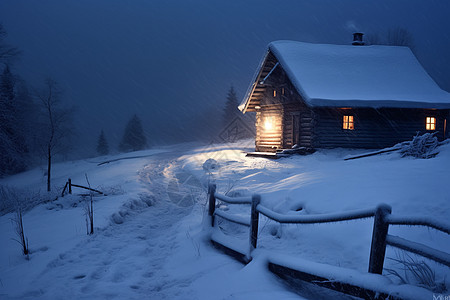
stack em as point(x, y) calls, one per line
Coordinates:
point(380, 237)
point(68, 186)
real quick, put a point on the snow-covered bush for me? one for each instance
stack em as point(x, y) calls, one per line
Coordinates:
point(10, 199)
point(5, 200)
point(421, 146)
point(28, 198)
point(210, 165)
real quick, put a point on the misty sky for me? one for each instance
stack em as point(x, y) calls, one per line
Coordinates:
point(172, 62)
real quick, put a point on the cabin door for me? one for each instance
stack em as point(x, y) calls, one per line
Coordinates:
point(295, 129)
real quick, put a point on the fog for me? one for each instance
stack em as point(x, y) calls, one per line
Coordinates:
point(172, 62)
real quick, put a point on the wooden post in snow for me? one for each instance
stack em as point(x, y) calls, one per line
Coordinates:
point(254, 219)
point(70, 186)
point(380, 231)
point(212, 202)
point(64, 189)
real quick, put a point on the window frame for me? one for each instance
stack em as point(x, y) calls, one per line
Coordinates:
point(348, 122)
point(430, 123)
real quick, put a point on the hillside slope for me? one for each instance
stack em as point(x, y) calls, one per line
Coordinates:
point(151, 238)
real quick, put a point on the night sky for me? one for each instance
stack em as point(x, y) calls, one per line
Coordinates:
point(172, 62)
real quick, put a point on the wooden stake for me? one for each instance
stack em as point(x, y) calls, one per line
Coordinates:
point(212, 202)
point(254, 219)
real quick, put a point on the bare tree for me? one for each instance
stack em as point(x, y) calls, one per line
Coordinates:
point(397, 36)
point(55, 124)
point(373, 39)
point(400, 37)
point(89, 209)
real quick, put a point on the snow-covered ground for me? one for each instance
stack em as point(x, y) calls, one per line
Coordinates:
point(151, 237)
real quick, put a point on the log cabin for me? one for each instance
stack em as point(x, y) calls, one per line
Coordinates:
point(351, 96)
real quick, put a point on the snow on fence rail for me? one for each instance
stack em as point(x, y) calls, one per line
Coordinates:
point(312, 219)
point(380, 237)
point(418, 221)
point(420, 249)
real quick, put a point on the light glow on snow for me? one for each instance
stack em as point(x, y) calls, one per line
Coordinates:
point(144, 243)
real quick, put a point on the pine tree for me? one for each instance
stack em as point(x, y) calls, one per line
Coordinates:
point(6, 52)
point(102, 144)
point(231, 111)
point(12, 142)
point(235, 125)
point(133, 137)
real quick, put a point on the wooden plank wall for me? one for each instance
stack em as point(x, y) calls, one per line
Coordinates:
point(303, 134)
point(374, 128)
point(269, 140)
point(284, 105)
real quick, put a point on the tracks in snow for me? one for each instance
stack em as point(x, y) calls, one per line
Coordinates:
point(125, 260)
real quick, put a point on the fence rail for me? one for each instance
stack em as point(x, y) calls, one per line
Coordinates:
point(418, 221)
point(320, 218)
point(233, 218)
point(420, 249)
point(233, 200)
point(68, 186)
point(380, 237)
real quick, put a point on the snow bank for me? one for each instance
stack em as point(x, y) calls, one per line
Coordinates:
point(57, 226)
point(297, 187)
point(368, 281)
point(163, 250)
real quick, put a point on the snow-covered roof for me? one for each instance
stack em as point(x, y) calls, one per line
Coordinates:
point(357, 76)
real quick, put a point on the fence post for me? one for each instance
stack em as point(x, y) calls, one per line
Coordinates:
point(380, 231)
point(254, 219)
point(64, 189)
point(70, 186)
point(212, 202)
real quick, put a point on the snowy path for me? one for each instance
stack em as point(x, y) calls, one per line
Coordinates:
point(159, 251)
point(123, 260)
point(152, 243)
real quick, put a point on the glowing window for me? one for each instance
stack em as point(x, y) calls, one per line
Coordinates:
point(431, 123)
point(274, 93)
point(268, 123)
point(348, 123)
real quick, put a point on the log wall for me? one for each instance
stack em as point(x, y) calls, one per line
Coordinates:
point(296, 123)
point(294, 120)
point(373, 128)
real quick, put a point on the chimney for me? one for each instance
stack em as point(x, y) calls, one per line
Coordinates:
point(358, 39)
